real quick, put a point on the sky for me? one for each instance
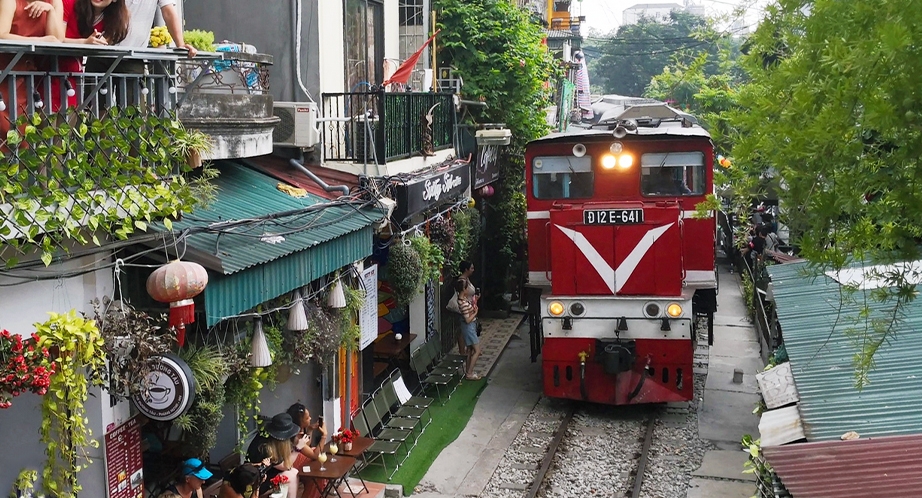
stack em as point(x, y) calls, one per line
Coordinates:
point(605, 15)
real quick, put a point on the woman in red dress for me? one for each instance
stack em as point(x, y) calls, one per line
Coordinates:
point(93, 22)
point(29, 20)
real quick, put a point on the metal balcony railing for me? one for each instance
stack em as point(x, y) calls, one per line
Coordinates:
point(159, 80)
point(376, 127)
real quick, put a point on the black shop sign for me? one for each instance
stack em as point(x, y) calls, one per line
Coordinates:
point(432, 190)
point(486, 165)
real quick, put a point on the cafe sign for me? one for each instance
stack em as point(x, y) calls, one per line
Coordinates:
point(168, 391)
point(431, 190)
point(486, 168)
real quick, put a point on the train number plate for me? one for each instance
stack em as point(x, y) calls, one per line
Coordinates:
point(612, 216)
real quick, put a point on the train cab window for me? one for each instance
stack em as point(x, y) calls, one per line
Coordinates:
point(672, 174)
point(562, 177)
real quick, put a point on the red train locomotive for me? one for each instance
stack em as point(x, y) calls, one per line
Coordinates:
point(619, 266)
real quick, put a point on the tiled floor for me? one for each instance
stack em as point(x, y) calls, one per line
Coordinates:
point(375, 490)
point(495, 335)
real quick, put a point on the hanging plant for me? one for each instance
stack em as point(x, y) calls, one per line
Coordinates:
point(23, 367)
point(24, 483)
point(430, 257)
point(200, 424)
point(404, 271)
point(325, 327)
point(461, 221)
point(349, 317)
point(133, 344)
point(442, 234)
point(79, 363)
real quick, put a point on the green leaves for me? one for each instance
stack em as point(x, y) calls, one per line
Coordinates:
point(79, 173)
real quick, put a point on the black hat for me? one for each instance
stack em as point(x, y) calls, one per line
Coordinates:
point(281, 427)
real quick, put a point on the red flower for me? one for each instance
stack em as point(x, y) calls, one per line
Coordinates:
point(23, 367)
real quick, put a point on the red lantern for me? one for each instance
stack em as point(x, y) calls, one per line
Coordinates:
point(177, 282)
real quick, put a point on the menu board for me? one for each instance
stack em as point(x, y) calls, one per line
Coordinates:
point(124, 468)
point(368, 316)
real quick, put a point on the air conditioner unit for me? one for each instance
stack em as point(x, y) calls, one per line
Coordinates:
point(298, 125)
point(363, 138)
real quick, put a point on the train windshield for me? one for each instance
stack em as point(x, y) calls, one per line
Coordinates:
point(562, 177)
point(672, 174)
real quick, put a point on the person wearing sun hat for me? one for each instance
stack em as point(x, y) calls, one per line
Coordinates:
point(273, 446)
point(192, 475)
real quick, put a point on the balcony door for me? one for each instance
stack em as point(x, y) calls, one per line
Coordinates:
point(364, 44)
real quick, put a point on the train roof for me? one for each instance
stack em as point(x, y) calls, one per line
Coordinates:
point(652, 119)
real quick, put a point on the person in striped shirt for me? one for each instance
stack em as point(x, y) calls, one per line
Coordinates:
point(468, 307)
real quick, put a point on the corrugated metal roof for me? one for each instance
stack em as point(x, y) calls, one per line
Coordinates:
point(816, 324)
point(780, 426)
point(862, 468)
point(260, 261)
point(278, 167)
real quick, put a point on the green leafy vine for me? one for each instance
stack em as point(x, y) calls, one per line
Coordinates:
point(79, 362)
point(75, 177)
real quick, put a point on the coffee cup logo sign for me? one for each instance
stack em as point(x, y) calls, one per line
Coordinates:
point(435, 187)
point(169, 390)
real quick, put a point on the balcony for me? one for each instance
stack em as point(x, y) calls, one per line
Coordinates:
point(94, 153)
point(229, 100)
point(381, 127)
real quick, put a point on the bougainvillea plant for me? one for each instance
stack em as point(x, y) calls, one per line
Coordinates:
point(23, 367)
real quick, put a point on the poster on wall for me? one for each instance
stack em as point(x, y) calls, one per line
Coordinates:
point(368, 317)
point(124, 467)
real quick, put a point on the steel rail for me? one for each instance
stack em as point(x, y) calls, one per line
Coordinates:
point(644, 457)
point(549, 456)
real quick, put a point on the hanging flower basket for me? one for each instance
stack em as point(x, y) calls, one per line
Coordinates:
point(23, 368)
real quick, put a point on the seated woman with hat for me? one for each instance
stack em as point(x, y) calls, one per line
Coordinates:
point(192, 476)
point(275, 445)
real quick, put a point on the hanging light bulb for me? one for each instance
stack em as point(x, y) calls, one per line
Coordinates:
point(70, 88)
point(260, 356)
point(104, 90)
point(37, 100)
point(337, 298)
point(297, 317)
point(2, 104)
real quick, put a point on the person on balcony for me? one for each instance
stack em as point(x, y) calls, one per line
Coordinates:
point(92, 22)
point(26, 20)
point(142, 14)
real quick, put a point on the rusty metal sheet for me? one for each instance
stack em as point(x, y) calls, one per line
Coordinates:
point(863, 468)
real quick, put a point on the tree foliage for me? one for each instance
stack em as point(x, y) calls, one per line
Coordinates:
point(628, 61)
point(497, 50)
point(833, 109)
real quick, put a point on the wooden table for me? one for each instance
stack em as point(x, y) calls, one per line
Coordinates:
point(334, 472)
point(359, 445)
point(391, 350)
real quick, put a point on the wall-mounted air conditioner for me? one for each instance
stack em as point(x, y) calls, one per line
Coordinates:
point(298, 125)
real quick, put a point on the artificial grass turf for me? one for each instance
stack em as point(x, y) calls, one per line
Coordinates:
point(447, 423)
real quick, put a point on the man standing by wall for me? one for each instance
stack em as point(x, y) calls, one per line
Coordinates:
point(142, 13)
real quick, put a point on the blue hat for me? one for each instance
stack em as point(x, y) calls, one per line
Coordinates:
point(195, 467)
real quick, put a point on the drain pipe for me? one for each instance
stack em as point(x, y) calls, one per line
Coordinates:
point(329, 188)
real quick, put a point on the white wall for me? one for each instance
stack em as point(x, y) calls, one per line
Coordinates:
point(331, 57)
point(23, 305)
point(391, 29)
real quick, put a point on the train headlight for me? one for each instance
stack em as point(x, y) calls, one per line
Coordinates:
point(577, 309)
point(556, 308)
point(609, 161)
point(616, 148)
point(625, 161)
point(674, 310)
point(651, 310)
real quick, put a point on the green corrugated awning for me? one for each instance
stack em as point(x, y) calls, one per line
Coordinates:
point(822, 325)
point(253, 262)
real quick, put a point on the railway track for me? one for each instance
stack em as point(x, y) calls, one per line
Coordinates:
point(614, 443)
